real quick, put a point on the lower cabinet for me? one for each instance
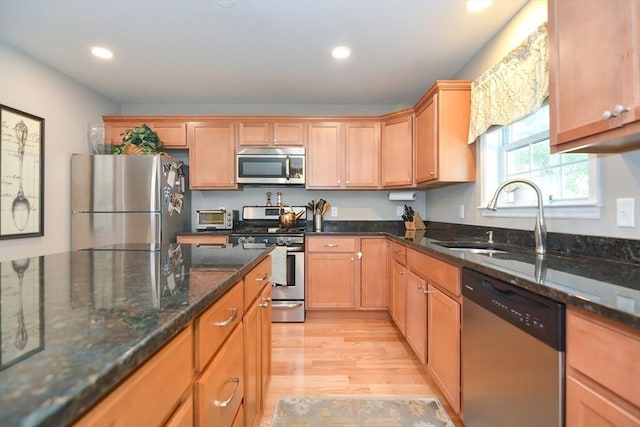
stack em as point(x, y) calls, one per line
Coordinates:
point(602, 372)
point(373, 273)
point(416, 315)
point(203, 239)
point(399, 295)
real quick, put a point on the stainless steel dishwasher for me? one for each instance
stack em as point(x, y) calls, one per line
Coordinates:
point(513, 344)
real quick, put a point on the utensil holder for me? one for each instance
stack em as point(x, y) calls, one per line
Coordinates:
point(318, 222)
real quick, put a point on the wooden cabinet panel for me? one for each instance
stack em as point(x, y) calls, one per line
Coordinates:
point(203, 239)
point(331, 244)
point(219, 390)
point(416, 315)
point(445, 275)
point(373, 273)
point(216, 323)
point(594, 65)
point(399, 253)
point(252, 360)
point(265, 343)
point(331, 291)
point(211, 155)
point(239, 420)
point(325, 157)
point(605, 353)
point(149, 387)
point(396, 153)
point(261, 133)
point(399, 297)
point(362, 151)
point(172, 133)
point(585, 407)
point(443, 155)
point(289, 133)
point(444, 319)
point(254, 133)
point(183, 416)
point(255, 281)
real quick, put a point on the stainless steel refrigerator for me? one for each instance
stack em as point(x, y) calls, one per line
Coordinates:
point(119, 199)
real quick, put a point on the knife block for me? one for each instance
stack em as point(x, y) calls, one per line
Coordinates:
point(416, 224)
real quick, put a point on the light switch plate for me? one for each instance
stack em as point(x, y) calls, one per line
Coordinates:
point(334, 211)
point(625, 212)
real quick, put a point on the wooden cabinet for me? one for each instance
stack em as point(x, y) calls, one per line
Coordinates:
point(343, 155)
point(211, 155)
point(172, 132)
point(442, 126)
point(373, 273)
point(203, 239)
point(416, 315)
point(266, 310)
point(149, 387)
point(602, 372)
point(252, 360)
point(443, 344)
point(396, 150)
point(399, 296)
point(219, 390)
point(264, 133)
point(331, 272)
point(594, 75)
point(442, 322)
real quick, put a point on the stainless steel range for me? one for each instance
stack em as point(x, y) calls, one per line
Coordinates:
point(259, 229)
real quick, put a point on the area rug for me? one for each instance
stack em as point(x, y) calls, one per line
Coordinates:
point(359, 412)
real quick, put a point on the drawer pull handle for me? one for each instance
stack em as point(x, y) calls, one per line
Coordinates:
point(225, 403)
point(331, 245)
point(263, 278)
point(230, 320)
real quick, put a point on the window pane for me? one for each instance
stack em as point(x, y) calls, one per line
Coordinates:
point(576, 180)
point(535, 123)
point(540, 157)
point(518, 161)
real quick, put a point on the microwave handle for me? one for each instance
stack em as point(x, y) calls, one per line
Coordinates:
point(287, 167)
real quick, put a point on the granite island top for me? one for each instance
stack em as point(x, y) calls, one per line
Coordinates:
point(73, 325)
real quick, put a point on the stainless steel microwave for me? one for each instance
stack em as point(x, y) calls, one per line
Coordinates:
point(216, 219)
point(283, 166)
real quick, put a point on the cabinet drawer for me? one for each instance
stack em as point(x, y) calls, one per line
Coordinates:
point(605, 354)
point(399, 253)
point(215, 324)
point(255, 280)
point(183, 417)
point(210, 239)
point(444, 275)
point(149, 396)
point(219, 390)
point(331, 244)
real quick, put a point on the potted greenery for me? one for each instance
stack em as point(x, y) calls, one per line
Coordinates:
point(139, 140)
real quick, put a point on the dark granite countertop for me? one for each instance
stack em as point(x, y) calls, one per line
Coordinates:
point(91, 317)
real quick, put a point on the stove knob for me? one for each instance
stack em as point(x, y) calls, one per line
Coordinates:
point(280, 241)
point(250, 239)
point(287, 241)
point(242, 240)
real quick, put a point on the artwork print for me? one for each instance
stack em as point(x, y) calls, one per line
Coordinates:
point(21, 174)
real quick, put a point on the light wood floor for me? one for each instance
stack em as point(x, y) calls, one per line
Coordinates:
point(360, 357)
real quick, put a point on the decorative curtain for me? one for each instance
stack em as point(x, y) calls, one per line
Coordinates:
point(513, 88)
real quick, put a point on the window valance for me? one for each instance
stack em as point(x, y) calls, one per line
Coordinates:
point(513, 88)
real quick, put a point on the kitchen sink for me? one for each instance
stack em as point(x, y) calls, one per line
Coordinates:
point(475, 247)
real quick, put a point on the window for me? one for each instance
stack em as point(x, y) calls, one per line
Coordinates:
point(521, 150)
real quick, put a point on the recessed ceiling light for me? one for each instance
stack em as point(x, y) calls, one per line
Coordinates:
point(341, 52)
point(478, 5)
point(101, 52)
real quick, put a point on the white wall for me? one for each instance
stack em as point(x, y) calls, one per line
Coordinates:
point(620, 173)
point(67, 107)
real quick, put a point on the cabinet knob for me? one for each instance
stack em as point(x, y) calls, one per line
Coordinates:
point(432, 173)
point(617, 110)
point(338, 181)
point(347, 182)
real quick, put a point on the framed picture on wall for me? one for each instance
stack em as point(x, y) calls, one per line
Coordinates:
point(21, 174)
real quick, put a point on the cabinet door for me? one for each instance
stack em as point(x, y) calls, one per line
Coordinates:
point(172, 134)
point(426, 142)
point(211, 155)
point(373, 274)
point(396, 152)
point(444, 344)
point(362, 153)
point(325, 156)
point(288, 134)
point(591, 69)
point(399, 278)
point(416, 323)
point(331, 280)
point(265, 344)
point(254, 133)
point(203, 239)
point(113, 131)
point(586, 407)
point(252, 360)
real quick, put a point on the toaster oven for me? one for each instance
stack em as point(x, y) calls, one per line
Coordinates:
point(216, 219)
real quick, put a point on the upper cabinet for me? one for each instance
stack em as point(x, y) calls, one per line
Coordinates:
point(396, 151)
point(212, 155)
point(261, 133)
point(442, 125)
point(343, 155)
point(594, 75)
point(172, 132)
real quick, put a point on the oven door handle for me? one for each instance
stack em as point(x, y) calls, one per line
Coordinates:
point(286, 304)
point(287, 167)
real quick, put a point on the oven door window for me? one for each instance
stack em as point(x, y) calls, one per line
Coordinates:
point(258, 167)
point(291, 270)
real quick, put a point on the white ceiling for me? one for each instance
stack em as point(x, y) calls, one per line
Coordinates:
point(254, 51)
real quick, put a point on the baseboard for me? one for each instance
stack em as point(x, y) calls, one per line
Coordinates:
point(348, 314)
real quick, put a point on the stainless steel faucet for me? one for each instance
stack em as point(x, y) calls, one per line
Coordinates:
point(539, 231)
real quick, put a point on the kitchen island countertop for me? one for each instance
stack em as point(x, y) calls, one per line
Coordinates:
point(75, 324)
